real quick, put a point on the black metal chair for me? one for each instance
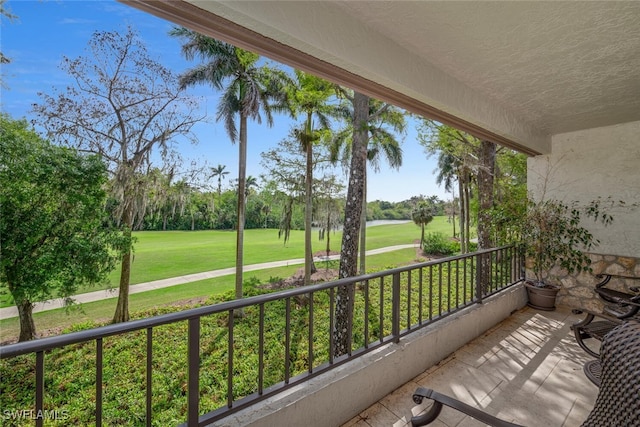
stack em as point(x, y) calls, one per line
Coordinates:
point(620, 306)
point(618, 400)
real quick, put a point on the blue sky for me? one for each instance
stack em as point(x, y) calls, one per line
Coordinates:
point(45, 30)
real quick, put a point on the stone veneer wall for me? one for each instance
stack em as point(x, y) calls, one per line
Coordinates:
point(578, 289)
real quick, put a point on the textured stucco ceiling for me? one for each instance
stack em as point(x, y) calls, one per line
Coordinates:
point(562, 65)
point(525, 70)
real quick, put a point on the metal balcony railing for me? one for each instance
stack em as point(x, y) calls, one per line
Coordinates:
point(282, 339)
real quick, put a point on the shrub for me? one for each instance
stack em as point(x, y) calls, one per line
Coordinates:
point(438, 244)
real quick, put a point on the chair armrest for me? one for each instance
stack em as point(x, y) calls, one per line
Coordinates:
point(441, 399)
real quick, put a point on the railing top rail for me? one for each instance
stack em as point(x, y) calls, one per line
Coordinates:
point(43, 344)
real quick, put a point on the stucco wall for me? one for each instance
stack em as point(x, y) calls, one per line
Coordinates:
point(600, 162)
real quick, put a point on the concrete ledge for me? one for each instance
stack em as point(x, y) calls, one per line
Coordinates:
point(337, 396)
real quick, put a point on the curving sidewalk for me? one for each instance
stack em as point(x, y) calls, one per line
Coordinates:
point(8, 312)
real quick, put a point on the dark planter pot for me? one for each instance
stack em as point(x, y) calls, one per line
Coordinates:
point(542, 298)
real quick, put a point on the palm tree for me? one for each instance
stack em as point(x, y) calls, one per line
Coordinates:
point(351, 229)
point(446, 176)
point(250, 89)
point(219, 172)
point(310, 96)
point(385, 122)
point(422, 215)
point(252, 182)
point(461, 157)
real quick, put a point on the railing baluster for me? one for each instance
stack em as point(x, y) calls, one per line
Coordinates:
point(458, 302)
point(449, 286)
point(332, 325)
point(99, 382)
point(381, 316)
point(492, 278)
point(430, 292)
point(466, 281)
point(408, 300)
point(149, 374)
point(261, 351)
point(439, 289)
point(420, 296)
point(366, 314)
point(39, 387)
point(475, 272)
point(230, 352)
point(311, 320)
point(395, 311)
point(287, 341)
point(193, 366)
point(350, 316)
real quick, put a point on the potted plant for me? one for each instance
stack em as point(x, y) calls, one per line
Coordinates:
point(551, 234)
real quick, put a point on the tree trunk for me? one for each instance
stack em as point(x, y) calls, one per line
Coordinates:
point(485, 198)
point(485, 192)
point(328, 229)
point(122, 307)
point(462, 215)
point(309, 267)
point(421, 234)
point(27, 326)
point(242, 181)
point(350, 234)
point(363, 226)
point(467, 213)
point(453, 213)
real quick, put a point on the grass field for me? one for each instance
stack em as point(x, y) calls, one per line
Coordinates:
point(160, 255)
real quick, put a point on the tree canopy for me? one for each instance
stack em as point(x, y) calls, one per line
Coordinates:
point(54, 232)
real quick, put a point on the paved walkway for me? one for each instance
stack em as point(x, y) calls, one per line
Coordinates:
point(9, 312)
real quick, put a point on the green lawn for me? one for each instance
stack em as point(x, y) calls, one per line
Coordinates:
point(101, 311)
point(162, 254)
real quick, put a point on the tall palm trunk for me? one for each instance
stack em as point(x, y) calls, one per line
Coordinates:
point(363, 226)
point(351, 230)
point(453, 213)
point(242, 181)
point(485, 198)
point(309, 267)
point(461, 217)
point(485, 192)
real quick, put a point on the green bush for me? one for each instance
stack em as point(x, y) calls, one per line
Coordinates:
point(438, 244)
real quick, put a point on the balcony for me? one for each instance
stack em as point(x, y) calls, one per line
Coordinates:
point(403, 322)
point(526, 370)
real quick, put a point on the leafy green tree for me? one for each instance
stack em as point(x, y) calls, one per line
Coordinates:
point(54, 233)
point(422, 215)
point(250, 89)
point(310, 96)
point(287, 165)
point(458, 153)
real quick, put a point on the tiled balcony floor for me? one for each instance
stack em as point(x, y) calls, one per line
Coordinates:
point(526, 370)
